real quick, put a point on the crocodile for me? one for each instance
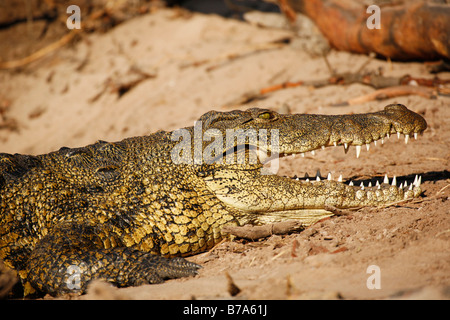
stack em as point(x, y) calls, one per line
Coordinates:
point(129, 212)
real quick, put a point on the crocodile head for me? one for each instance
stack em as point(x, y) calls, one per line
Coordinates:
point(235, 146)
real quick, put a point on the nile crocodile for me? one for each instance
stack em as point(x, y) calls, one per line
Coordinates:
point(127, 212)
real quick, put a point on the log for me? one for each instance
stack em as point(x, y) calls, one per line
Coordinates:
point(417, 31)
point(251, 232)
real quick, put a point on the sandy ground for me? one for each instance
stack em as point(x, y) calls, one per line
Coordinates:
point(194, 63)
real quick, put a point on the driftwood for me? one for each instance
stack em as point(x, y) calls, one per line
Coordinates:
point(251, 232)
point(410, 31)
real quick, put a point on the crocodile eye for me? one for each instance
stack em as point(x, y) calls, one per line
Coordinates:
point(265, 116)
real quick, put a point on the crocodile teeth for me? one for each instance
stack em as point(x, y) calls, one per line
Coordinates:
point(351, 183)
point(398, 135)
point(367, 146)
point(345, 147)
point(358, 151)
point(340, 178)
point(417, 181)
point(406, 138)
point(386, 179)
point(329, 176)
point(415, 135)
point(394, 181)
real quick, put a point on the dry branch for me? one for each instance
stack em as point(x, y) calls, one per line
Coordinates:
point(258, 232)
point(391, 92)
point(40, 53)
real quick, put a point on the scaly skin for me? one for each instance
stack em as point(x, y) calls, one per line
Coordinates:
point(122, 211)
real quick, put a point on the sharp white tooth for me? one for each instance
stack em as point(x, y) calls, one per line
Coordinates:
point(307, 180)
point(415, 135)
point(388, 135)
point(377, 184)
point(370, 184)
point(400, 186)
point(367, 146)
point(317, 178)
point(323, 147)
point(358, 151)
point(386, 179)
point(375, 142)
point(329, 176)
point(351, 183)
point(345, 147)
point(293, 155)
point(362, 186)
point(335, 144)
point(398, 135)
point(302, 154)
point(340, 178)
point(416, 178)
point(378, 187)
point(297, 179)
point(313, 152)
point(406, 138)
point(382, 140)
point(418, 182)
point(411, 186)
point(394, 181)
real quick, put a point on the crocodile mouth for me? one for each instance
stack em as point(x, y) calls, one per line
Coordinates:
point(256, 189)
point(409, 186)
